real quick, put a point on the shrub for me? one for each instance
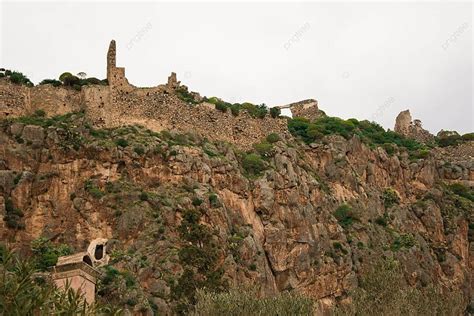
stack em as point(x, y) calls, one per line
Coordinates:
point(19, 78)
point(450, 140)
point(383, 290)
point(199, 258)
point(237, 302)
point(403, 241)
point(256, 111)
point(390, 149)
point(197, 201)
point(235, 109)
point(47, 254)
point(273, 138)
point(264, 149)
point(184, 95)
point(420, 154)
point(390, 197)
point(93, 190)
point(144, 196)
point(214, 200)
point(13, 215)
point(121, 142)
point(468, 137)
point(370, 133)
point(39, 113)
point(54, 82)
point(139, 150)
point(253, 164)
point(93, 80)
point(344, 215)
point(275, 112)
point(461, 190)
point(382, 221)
point(221, 107)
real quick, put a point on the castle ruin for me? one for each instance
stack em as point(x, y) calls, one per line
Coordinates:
point(158, 108)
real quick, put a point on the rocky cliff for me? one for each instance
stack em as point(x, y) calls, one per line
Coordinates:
point(184, 212)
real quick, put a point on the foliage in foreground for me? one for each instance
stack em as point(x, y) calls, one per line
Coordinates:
point(23, 291)
point(383, 291)
point(238, 302)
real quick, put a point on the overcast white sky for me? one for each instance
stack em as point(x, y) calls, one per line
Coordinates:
point(362, 60)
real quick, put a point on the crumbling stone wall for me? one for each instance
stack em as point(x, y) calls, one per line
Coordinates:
point(411, 129)
point(17, 100)
point(306, 108)
point(157, 108)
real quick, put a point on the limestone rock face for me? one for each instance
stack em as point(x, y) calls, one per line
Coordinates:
point(279, 229)
point(411, 129)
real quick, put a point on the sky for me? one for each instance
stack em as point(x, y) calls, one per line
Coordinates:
point(368, 60)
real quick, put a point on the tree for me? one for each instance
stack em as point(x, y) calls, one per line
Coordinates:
point(82, 75)
point(64, 75)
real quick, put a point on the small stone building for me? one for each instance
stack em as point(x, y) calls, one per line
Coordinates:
point(78, 271)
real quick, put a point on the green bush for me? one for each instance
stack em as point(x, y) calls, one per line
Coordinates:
point(64, 75)
point(390, 197)
point(139, 150)
point(235, 109)
point(214, 200)
point(184, 95)
point(93, 190)
point(344, 215)
point(253, 164)
point(199, 257)
point(273, 138)
point(197, 201)
point(13, 215)
point(39, 113)
point(121, 142)
point(275, 112)
point(46, 253)
point(144, 196)
point(370, 133)
point(19, 78)
point(403, 241)
point(462, 190)
point(382, 221)
point(468, 137)
point(264, 149)
point(221, 107)
point(390, 149)
point(256, 111)
point(54, 82)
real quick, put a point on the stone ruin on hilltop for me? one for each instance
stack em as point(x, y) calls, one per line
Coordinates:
point(157, 108)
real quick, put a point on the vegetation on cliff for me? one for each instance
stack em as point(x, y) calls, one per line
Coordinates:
point(189, 218)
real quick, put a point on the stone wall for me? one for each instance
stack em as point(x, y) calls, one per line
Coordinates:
point(157, 108)
point(306, 108)
point(17, 100)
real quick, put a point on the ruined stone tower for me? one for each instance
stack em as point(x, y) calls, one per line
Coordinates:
point(115, 75)
point(111, 59)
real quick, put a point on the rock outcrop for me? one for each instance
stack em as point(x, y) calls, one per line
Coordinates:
point(411, 129)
